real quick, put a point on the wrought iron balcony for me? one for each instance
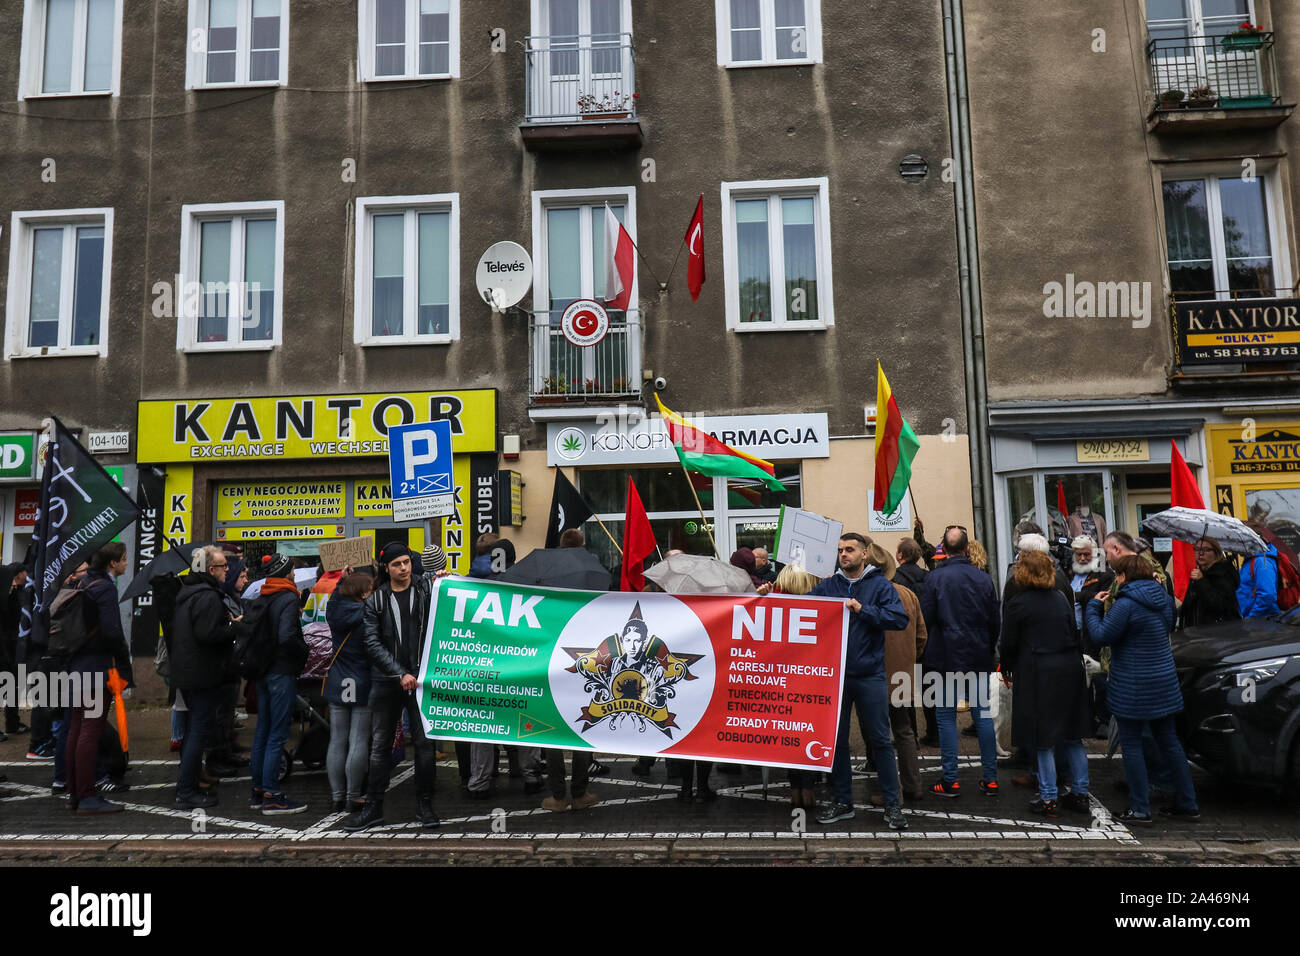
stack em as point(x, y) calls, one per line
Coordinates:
point(1225, 82)
point(581, 92)
point(563, 372)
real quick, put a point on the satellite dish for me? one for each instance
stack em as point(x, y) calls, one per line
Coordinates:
point(504, 275)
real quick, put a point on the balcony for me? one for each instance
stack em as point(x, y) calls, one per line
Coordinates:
point(567, 374)
point(1228, 82)
point(581, 93)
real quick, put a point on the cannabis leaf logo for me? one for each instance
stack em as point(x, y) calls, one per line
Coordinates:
point(572, 443)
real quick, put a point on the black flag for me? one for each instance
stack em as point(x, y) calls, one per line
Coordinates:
point(82, 509)
point(568, 510)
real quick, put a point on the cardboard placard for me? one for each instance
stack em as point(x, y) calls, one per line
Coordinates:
point(350, 552)
point(809, 540)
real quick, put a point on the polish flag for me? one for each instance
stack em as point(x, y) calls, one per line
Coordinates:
point(618, 270)
point(695, 248)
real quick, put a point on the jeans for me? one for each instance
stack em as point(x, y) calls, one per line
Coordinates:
point(275, 696)
point(84, 731)
point(1078, 758)
point(223, 722)
point(903, 722)
point(1159, 774)
point(202, 710)
point(349, 751)
point(59, 730)
point(180, 723)
point(555, 772)
point(387, 702)
point(1135, 768)
point(871, 696)
point(947, 717)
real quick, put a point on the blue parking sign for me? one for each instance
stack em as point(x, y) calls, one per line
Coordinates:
point(420, 468)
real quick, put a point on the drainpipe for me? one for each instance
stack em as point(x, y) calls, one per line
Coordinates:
point(972, 315)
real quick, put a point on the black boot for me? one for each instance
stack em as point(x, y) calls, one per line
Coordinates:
point(428, 819)
point(371, 815)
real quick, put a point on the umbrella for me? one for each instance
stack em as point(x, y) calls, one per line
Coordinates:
point(559, 568)
point(172, 561)
point(1192, 524)
point(302, 577)
point(699, 574)
point(117, 684)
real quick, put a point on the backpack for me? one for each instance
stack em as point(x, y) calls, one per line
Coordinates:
point(1288, 584)
point(68, 631)
point(255, 641)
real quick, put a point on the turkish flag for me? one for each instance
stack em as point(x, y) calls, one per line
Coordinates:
point(618, 269)
point(638, 541)
point(695, 248)
point(1183, 493)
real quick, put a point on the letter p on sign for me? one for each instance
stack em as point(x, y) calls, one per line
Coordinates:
point(412, 460)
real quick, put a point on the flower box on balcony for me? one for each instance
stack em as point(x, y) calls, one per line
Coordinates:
point(1243, 41)
point(1244, 102)
point(606, 117)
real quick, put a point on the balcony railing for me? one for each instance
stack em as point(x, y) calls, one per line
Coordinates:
point(581, 77)
point(1229, 72)
point(564, 372)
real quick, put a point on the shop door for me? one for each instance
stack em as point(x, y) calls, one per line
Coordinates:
point(751, 531)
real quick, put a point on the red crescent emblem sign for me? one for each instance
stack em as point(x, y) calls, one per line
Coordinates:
point(584, 323)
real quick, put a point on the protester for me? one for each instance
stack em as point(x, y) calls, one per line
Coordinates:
point(347, 691)
point(763, 566)
point(961, 614)
point(1042, 658)
point(873, 606)
point(1036, 543)
point(911, 571)
point(433, 560)
point(105, 647)
point(222, 760)
point(1144, 688)
point(1086, 580)
point(1257, 591)
point(202, 648)
point(1211, 596)
point(395, 618)
point(903, 649)
point(13, 577)
point(978, 556)
point(743, 558)
point(277, 689)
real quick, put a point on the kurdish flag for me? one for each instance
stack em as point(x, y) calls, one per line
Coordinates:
point(896, 446)
point(702, 453)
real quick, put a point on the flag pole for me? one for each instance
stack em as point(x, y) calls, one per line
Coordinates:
point(703, 520)
point(611, 537)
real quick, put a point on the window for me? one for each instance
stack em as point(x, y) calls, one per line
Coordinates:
point(407, 272)
point(232, 268)
point(571, 257)
point(1223, 233)
point(768, 32)
point(1170, 19)
point(776, 254)
point(71, 48)
point(59, 264)
point(238, 43)
point(580, 59)
point(409, 39)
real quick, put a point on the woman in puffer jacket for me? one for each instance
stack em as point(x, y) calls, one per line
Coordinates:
point(347, 689)
point(1143, 689)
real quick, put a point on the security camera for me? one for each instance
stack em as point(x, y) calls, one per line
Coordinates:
point(661, 383)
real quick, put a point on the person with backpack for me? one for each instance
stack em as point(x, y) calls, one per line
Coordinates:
point(203, 639)
point(276, 641)
point(1257, 594)
point(93, 644)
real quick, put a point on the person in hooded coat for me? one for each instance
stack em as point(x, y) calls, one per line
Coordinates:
point(347, 690)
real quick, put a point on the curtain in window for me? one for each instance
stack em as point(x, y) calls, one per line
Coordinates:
point(59, 18)
point(435, 47)
point(390, 37)
point(88, 285)
point(753, 260)
point(47, 272)
point(264, 58)
point(214, 277)
point(435, 287)
point(258, 322)
point(1187, 229)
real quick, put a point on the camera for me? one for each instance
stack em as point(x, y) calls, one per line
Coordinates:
point(661, 383)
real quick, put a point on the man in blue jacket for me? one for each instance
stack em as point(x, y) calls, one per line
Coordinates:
point(961, 611)
point(874, 608)
point(1257, 593)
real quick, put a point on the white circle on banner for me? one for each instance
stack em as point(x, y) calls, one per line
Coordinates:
point(504, 274)
point(588, 697)
point(584, 322)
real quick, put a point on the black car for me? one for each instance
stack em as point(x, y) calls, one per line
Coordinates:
point(1241, 695)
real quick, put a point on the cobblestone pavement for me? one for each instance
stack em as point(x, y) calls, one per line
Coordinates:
point(638, 820)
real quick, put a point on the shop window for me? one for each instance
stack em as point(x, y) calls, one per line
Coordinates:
point(407, 270)
point(768, 32)
point(776, 251)
point(409, 39)
point(71, 48)
point(59, 268)
point(238, 43)
point(232, 267)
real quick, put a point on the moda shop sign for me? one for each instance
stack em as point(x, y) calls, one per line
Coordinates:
point(645, 441)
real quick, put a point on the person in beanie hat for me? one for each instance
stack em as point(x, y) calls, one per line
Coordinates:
point(277, 688)
point(433, 560)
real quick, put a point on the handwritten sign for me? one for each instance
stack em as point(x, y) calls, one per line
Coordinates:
point(350, 552)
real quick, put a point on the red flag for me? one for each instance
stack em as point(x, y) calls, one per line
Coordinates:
point(638, 541)
point(618, 269)
point(695, 248)
point(1060, 498)
point(1183, 493)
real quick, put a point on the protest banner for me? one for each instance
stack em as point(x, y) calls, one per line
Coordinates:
point(350, 552)
point(706, 677)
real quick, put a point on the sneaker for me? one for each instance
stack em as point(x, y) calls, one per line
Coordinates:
point(585, 801)
point(105, 784)
point(44, 752)
point(1045, 808)
point(989, 788)
point(257, 799)
point(1129, 817)
point(597, 769)
point(1182, 813)
point(92, 806)
point(199, 801)
point(277, 804)
point(945, 789)
point(554, 805)
point(895, 819)
point(20, 729)
point(1078, 802)
point(836, 812)
point(59, 786)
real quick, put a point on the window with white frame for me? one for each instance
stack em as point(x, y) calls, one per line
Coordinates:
point(407, 287)
point(1171, 19)
point(232, 268)
point(1225, 237)
point(59, 264)
point(408, 39)
point(71, 48)
point(776, 250)
point(768, 32)
point(238, 42)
